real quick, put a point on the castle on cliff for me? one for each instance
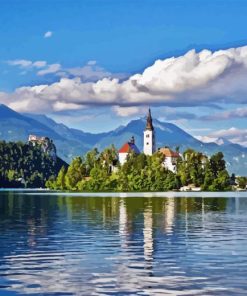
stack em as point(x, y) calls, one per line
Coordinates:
point(45, 143)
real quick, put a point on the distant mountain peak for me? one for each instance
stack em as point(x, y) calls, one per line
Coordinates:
point(223, 141)
point(73, 142)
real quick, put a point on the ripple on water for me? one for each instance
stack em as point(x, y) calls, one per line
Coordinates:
point(57, 245)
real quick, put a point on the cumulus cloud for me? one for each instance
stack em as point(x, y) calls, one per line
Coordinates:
point(193, 79)
point(234, 135)
point(48, 34)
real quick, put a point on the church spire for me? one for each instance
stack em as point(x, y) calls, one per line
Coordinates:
point(149, 125)
point(149, 136)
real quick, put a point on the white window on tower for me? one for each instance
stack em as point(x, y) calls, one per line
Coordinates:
point(147, 143)
point(147, 136)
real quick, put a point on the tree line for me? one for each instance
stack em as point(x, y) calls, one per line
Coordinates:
point(102, 172)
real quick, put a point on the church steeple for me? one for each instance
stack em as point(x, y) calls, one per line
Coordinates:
point(149, 136)
point(149, 125)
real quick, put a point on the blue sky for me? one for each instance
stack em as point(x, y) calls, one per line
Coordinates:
point(93, 39)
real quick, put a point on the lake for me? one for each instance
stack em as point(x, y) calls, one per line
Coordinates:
point(123, 244)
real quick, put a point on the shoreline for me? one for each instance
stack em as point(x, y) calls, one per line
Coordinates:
point(168, 194)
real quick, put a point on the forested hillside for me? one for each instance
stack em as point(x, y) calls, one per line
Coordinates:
point(22, 165)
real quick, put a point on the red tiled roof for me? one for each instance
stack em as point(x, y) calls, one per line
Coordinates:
point(168, 152)
point(124, 149)
point(127, 147)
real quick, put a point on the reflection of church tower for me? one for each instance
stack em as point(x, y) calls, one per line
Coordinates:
point(123, 223)
point(169, 214)
point(149, 136)
point(148, 234)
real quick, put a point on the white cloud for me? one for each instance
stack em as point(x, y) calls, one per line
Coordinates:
point(193, 79)
point(234, 135)
point(40, 64)
point(27, 64)
point(92, 63)
point(20, 63)
point(206, 139)
point(89, 72)
point(199, 129)
point(48, 34)
point(43, 67)
point(51, 69)
point(129, 111)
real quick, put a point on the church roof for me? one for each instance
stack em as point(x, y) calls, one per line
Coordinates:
point(168, 152)
point(128, 147)
point(149, 125)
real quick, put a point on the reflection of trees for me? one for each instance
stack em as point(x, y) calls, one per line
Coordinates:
point(43, 210)
point(147, 241)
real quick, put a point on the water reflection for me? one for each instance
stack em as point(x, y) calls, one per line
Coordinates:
point(122, 246)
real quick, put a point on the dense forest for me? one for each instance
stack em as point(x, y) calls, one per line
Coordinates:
point(96, 172)
point(22, 165)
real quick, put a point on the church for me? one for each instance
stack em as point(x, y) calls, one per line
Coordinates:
point(149, 147)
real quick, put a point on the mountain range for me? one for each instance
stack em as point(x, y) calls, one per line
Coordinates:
point(72, 142)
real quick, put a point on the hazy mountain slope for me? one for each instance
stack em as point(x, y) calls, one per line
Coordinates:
point(88, 139)
point(72, 142)
point(167, 134)
point(17, 127)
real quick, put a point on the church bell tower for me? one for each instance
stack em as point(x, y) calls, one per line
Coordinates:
point(149, 136)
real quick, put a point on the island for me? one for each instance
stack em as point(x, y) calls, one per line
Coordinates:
point(35, 164)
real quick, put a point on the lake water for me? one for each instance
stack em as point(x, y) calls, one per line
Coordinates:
point(175, 244)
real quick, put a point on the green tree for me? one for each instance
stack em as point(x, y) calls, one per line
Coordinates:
point(217, 163)
point(22, 164)
point(91, 160)
point(61, 179)
point(242, 182)
point(76, 172)
point(209, 177)
point(221, 183)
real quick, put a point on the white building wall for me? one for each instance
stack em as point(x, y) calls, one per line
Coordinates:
point(122, 157)
point(170, 164)
point(149, 142)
